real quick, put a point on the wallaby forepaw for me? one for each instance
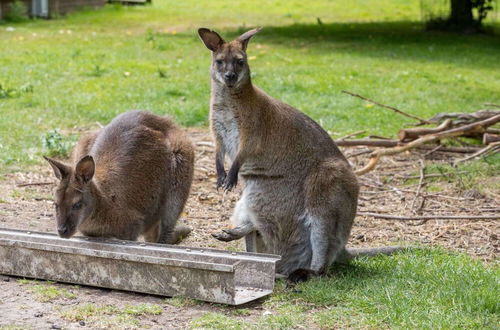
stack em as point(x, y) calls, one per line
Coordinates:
point(220, 180)
point(230, 182)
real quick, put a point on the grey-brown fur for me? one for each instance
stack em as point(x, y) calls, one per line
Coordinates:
point(131, 178)
point(300, 194)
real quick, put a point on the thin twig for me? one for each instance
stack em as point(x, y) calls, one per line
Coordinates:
point(378, 137)
point(205, 144)
point(490, 147)
point(429, 217)
point(420, 184)
point(395, 143)
point(359, 153)
point(434, 175)
point(34, 184)
point(388, 107)
point(433, 150)
point(492, 105)
point(351, 135)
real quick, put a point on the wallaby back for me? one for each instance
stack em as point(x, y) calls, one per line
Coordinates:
point(131, 178)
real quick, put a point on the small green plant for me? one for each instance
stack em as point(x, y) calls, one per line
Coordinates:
point(97, 71)
point(6, 92)
point(16, 12)
point(9, 92)
point(142, 309)
point(162, 73)
point(46, 293)
point(217, 321)
point(108, 316)
point(56, 144)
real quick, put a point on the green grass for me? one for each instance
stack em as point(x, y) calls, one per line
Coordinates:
point(478, 175)
point(424, 289)
point(108, 316)
point(72, 73)
point(46, 291)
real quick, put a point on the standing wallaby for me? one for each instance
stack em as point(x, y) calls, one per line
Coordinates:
point(300, 194)
point(131, 178)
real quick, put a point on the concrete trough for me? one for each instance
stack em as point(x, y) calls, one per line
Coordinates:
point(219, 276)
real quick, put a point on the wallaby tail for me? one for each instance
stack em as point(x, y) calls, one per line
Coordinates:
point(351, 253)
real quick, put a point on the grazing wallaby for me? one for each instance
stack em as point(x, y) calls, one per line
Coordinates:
point(131, 178)
point(300, 194)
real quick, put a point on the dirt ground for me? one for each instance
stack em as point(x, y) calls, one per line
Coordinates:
point(385, 190)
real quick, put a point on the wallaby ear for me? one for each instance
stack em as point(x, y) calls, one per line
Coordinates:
point(245, 37)
point(85, 168)
point(61, 170)
point(211, 39)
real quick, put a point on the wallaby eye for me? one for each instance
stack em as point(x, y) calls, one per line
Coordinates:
point(219, 62)
point(241, 61)
point(77, 206)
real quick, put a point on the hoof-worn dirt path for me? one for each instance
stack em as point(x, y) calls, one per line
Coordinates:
point(387, 190)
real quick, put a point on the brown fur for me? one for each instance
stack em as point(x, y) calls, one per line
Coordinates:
point(132, 178)
point(300, 194)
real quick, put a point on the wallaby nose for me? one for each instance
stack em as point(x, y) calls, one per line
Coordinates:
point(62, 230)
point(230, 76)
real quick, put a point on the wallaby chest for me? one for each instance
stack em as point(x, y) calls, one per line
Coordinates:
point(225, 126)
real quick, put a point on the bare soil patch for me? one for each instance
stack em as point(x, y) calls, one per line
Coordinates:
point(385, 190)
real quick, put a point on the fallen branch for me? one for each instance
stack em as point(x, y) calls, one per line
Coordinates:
point(388, 107)
point(490, 148)
point(420, 183)
point(394, 143)
point(492, 105)
point(34, 184)
point(410, 134)
point(429, 217)
point(479, 126)
point(490, 138)
point(434, 175)
point(351, 135)
point(363, 152)
point(433, 150)
point(464, 118)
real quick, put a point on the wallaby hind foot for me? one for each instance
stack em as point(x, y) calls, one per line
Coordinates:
point(227, 235)
point(302, 275)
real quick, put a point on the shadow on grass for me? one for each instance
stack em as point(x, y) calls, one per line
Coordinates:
point(391, 40)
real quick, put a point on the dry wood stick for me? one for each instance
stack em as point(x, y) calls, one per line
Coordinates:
point(492, 105)
point(387, 107)
point(482, 152)
point(359, 153)
point(205, 144)
point(479, 126)
point(34, 184)
point(351, 135)
point(434, 175)
point(433, 150)
point(490, 138)
point(378, 137)
point(394, 143)
point(430, 217)
point(410, 134)
point(420, 184)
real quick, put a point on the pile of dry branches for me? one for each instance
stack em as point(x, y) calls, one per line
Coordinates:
point(477, 125)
